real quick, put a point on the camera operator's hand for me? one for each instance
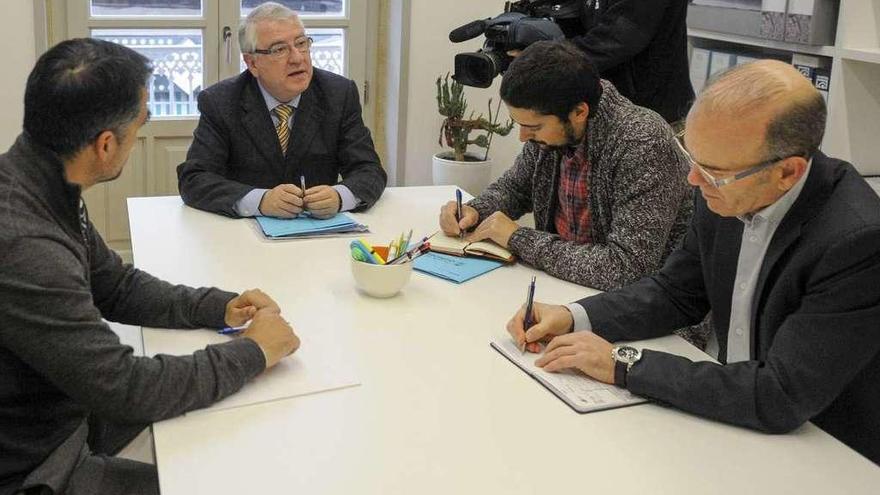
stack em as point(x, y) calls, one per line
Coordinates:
point(514, 53)
point(469, 218)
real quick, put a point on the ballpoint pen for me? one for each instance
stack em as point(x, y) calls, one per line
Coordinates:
point(231, 330)
point(458, 212)
point(411, 250)
point(527, 318)
point(412, 254)
point(302, 188)
point(424, 248)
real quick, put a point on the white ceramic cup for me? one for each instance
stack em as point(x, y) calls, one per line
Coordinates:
point(380, 280)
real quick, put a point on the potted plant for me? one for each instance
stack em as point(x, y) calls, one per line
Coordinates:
point(470, 171)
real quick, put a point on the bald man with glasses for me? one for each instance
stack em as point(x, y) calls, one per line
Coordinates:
point(282, 138)
point(784, 249)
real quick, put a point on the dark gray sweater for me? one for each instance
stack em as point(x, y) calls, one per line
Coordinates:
point(639, 199)
point(59, 362)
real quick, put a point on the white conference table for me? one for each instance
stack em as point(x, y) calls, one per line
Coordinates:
point(438, 411)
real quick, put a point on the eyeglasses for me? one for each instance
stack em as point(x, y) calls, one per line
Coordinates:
point(718, 182)
point(282, 50)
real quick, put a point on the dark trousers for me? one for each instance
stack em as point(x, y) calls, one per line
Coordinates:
point(100, 473)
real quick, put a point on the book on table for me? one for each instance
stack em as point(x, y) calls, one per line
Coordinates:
point(580, 392)
point(445, 244)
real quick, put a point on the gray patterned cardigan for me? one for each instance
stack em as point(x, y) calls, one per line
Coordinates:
point(640, 200)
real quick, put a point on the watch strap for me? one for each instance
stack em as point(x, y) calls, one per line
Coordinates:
point(620, 370)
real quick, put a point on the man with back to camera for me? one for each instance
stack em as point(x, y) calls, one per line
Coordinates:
point(278, 126)
point(641, 47)
point(71, 395)
point(784, 248)
point(603, 177)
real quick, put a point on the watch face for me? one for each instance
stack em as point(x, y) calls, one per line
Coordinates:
point(628, 354)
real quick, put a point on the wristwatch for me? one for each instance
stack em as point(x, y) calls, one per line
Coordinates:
point(624, 358)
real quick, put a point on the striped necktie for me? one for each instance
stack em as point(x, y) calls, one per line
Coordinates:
point(84, 221)
point(283, 112)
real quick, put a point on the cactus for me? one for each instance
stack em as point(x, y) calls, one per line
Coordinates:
point(455, 130)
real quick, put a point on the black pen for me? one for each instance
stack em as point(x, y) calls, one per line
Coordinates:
point(527, 319)
point(458, 212)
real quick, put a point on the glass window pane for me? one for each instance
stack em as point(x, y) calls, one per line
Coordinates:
point(306, 8)
point(328, 50)
point(145, 8)
point(177, 65)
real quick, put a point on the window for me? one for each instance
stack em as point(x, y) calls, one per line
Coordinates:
point(185, 40)
point(178, 70)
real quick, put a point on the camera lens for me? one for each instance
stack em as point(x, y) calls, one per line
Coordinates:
point(478, 69)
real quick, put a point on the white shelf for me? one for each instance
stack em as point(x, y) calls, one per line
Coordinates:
point(870, 55)
point(826, 51)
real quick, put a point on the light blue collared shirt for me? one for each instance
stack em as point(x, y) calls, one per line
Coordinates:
point(757, 234)
point(249, 205)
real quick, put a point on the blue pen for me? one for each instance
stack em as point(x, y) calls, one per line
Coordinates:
point(458, 212)
point(231, 330)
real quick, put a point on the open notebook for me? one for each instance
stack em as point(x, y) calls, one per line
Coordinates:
point(580, 392)
point(484, 249)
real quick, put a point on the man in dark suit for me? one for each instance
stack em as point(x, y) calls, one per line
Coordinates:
point(274, 140)
point(784, 248)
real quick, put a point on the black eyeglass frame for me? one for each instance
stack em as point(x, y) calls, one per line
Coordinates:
point(277, 50)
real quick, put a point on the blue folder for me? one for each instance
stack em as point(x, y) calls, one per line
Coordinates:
point(307, 226)
point(454, 268)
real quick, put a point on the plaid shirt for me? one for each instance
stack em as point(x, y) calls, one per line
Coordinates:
point(572, 219)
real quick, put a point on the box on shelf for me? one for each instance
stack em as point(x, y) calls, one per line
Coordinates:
point(811, 22)
point(699, 68)
point(710, 58)
point(745, 22)
point(816, 69)
point(773, 15)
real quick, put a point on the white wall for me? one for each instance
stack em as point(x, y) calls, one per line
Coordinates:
point(18, 57)
point(431, 55)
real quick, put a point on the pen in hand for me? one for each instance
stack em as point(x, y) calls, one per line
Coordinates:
point(232, 330)
point(527, 318)
point(302, 188)
point(458, 212)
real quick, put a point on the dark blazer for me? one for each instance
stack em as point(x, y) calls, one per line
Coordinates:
point(235, 147)
point(641, 47)
point(815, 319)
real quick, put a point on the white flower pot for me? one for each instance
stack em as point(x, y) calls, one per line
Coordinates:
point(473, 176)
